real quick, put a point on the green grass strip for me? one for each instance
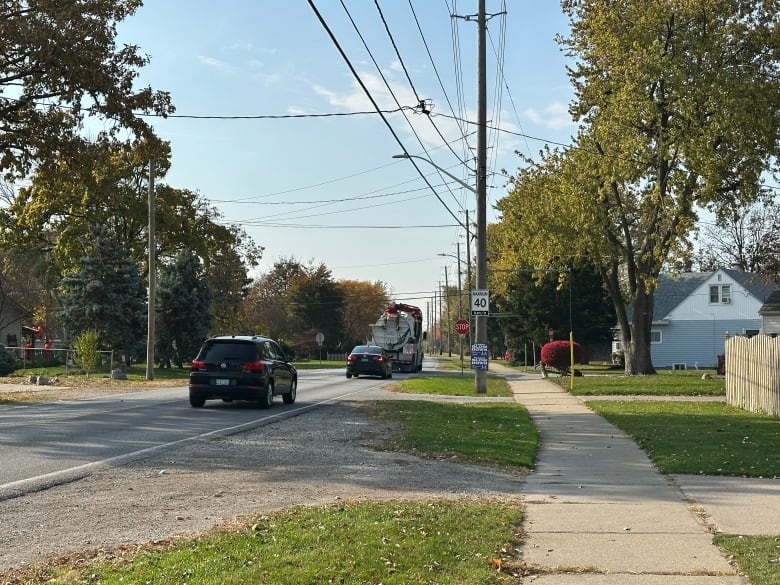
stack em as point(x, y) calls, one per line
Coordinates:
point(499, 433)
point(757, 556)
point(710, 438)
point(397, 543)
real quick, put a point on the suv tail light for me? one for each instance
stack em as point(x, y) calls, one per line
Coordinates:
point(198, 365)
point(253, 367)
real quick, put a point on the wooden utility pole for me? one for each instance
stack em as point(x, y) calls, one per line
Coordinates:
point(152, 280)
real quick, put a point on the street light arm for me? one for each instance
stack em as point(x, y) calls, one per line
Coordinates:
point(446, 172)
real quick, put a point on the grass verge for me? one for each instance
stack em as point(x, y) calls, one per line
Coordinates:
point(497, 433)
point(710, 438)
point(397, 543)
point(452, 385)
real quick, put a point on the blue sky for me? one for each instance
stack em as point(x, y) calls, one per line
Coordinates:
point(326, 189)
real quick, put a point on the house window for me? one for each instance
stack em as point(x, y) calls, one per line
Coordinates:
point(720, 294)
point(751, 332)
point(655, 336)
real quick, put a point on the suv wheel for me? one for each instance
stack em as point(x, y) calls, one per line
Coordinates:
point(267, 397)
point(289, 398)
point(197, 401)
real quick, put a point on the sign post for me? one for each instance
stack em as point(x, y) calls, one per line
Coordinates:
point(319, 338)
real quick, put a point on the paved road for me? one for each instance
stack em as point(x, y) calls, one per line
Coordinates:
point(50, 443)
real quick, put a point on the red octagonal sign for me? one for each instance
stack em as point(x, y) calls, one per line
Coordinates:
point(462, 326)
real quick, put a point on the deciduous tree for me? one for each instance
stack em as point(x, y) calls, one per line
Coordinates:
point(679, 107)
point(59, 66)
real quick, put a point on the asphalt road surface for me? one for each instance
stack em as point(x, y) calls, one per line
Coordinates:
point(52, 443)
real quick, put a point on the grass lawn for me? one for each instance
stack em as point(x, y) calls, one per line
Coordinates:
point(664, 383)
point(710, 438)
point(757, 556)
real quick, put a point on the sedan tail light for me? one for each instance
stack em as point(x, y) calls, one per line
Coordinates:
point(352, 357)
point(253, 367)
point(377, 358)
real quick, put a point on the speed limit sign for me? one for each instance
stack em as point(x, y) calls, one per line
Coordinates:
point(480, 303)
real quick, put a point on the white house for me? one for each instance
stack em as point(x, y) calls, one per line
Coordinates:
point(694, 312)
point(770, 315)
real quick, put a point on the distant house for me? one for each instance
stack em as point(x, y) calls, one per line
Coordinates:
point(694, 313)
point(770, 315)
point(11, 316)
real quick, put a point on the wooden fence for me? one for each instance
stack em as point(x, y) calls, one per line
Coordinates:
point(753, 373)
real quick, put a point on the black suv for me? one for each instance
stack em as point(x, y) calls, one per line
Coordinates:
point(242, 367)
point(371, 360)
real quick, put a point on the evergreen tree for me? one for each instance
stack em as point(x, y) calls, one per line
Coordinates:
point(106, 294)
point(182, 310)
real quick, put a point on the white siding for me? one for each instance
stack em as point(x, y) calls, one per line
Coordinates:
point(697, 307)
point(770, 324)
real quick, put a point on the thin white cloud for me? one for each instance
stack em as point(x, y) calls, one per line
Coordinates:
point(554, 116)
point(215, 64)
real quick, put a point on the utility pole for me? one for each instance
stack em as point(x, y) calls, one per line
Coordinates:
point(449, 313)
point(152, 280)
point(480, 376)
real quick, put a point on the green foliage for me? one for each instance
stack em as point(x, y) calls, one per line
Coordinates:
point(679, 108)
point(56, 78)
point(85, 350)
point(182, 310)
point(7, 362)
point(106, 294)
point(317, 305)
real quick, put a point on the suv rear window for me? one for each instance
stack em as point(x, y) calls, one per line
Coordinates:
point(228, 351)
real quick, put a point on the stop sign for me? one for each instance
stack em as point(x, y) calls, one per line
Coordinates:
point(462, 326)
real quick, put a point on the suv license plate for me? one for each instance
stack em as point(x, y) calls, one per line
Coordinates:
point(222, 382)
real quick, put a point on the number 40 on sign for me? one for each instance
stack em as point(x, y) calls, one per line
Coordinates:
point(480, 302)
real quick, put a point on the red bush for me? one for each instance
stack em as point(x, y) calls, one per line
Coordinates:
point(557, 354)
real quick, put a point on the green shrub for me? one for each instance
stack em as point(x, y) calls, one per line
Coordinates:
point(86, 350)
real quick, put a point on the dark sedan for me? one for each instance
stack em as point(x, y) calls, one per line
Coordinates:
point(370, 360)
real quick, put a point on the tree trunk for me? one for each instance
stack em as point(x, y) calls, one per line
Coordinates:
point(634, 334)
point(639, 360)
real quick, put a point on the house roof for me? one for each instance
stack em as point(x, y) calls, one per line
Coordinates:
point(673, 290)
point(772, 304)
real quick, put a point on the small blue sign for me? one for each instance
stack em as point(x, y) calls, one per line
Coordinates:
point(479, 356)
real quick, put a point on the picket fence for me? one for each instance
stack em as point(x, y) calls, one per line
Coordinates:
point(753, 373)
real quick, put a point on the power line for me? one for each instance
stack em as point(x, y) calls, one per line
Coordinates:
point(373, 101)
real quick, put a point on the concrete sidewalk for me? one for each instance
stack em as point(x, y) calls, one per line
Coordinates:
point(597, 511)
